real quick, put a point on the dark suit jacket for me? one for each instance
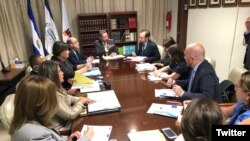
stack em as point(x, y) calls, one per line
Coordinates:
point(151, 52)
point(72, 58)
point(247, 54)
point(205, 83)
point(99, 48)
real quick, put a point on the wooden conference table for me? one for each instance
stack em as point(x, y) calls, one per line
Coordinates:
point(8, 81)
point(135, 94)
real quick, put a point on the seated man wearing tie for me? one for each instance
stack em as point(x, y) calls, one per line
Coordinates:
point(203, 80)
point(147, 47)
point(105, 46)
point(74, 56)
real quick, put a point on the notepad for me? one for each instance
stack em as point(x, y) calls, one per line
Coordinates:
point(101, 133)
point(106, 101)
point(80, 79)
point(149, 135)
point(172, 111)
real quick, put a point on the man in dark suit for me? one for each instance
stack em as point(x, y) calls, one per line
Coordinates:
point(35, 61)
point(247, 41)
point(147, 47)
point(74, 56)
point(202, 81)
point(105, 46)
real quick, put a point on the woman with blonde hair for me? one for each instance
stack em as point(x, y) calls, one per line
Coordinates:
point(35, 104)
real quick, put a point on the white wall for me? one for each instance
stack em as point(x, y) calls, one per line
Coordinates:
point(220, 30)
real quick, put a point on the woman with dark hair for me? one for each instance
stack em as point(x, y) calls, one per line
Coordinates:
point(61, 55)
point(69, 107)
point(35, 104)
point(177, 68)
point(240, 112)
point(198, 118)
point(166, 44)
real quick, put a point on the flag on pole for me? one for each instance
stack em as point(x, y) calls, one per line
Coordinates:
point(65, 24)
point(51, 34)
point(37, 44)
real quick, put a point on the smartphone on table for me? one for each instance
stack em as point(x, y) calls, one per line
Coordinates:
point(169, 133)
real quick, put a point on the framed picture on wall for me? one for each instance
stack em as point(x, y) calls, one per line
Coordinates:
point(202, 3)
point(229, 3)
point(214, 3)
point(192, 3)
point(244, 2)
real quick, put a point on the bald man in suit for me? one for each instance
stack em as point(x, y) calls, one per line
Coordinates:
point(202, 81)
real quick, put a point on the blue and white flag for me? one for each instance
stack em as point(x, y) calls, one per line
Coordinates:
point(51, 34)
point(66, 33)
point(37, 44)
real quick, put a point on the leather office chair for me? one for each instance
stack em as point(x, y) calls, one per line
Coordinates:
point(162, 51)
point(28, 71)
point(235, 74)
point(7, 111)
point(233, 77)
point(211, 61)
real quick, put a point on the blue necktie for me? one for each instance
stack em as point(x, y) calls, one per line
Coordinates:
point(143, 49)
point(76, 56)
point(191, 79)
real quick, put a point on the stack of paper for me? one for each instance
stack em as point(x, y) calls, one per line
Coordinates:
point(96, 61)
point(152, 77)
point(87, 87)
point(166, 110)
point(165, 93)
point(149, 135)
point(80, 79)
point(106, 101)
point(101, 133)
point(95, 71)
point(144, 67)
point(137, 58)
point(113, 57)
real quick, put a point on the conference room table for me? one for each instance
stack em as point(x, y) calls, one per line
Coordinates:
point(135, 94)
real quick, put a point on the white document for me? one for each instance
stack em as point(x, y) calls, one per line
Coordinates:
point(152, 77)
point(166, 110)
point(113, 57)
point(105, 100)
point(101, 133)
point(137, 58)
point(93, 72)
point(96, 61)
point(87, 87)
point(165, 93)
point(144, 67)
point(149, 135)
